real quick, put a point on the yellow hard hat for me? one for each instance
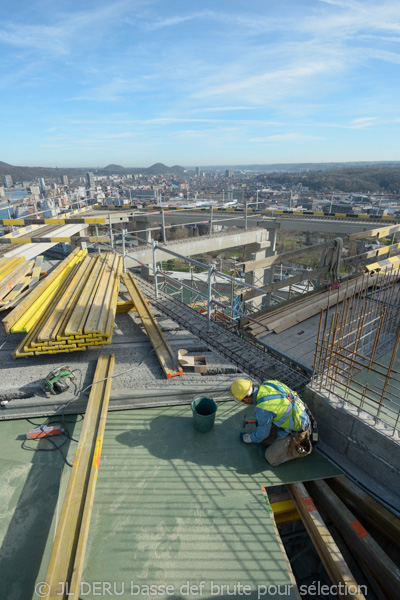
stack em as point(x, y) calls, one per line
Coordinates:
point(240, 388)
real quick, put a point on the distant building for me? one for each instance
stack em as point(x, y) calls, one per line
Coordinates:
point(8, 181)
point(235, 194)
point(64, 180)
point(90, 181)
point(21, 212)
point(198, 172)
point(2, 192)
point(48, 208)
point(229, 173)
point(34, 189)
point(338, 208)
point(42, 184)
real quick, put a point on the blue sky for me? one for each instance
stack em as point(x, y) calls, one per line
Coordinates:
point(135, 82)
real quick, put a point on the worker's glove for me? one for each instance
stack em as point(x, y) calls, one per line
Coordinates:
point(245, 437)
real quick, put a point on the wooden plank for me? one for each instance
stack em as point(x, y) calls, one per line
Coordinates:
point(373, 512)
point(278, 259)
point(77, 320)
point(278, 285)
point(53, 240)
point(329, 553)
point(166, 356)
point(13, 317)
point(65, 567)
point(360, 541)
point(36, 271)
point(12, 278)
point(379, 232)
point(370, 254)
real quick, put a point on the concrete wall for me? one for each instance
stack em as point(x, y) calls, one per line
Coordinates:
point(355, 439)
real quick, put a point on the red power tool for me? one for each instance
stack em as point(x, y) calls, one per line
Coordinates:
point(42, 432)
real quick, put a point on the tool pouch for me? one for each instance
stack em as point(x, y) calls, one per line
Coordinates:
point(300, 444)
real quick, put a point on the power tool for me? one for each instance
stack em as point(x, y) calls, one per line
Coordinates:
point(42, 432)
point(56, 381)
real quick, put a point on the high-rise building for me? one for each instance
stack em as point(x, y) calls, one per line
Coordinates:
point(8, 181)
point(2, 192)
point(198, 172)
point(90, 182)
point(42, 185)
point(64, 179)
point(34, 189)
point(229, 173)
point(48, 208)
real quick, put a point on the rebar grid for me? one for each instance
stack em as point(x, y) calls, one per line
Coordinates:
point(349, 340)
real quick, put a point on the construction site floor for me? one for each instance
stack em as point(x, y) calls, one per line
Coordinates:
point(172, 507)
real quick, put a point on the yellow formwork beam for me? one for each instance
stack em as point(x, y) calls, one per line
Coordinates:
point(285, 512)
point(37, 292)
point(31, 316)
point(157, 338)
point(90, 287)
point(78, 318)
point(69, 294)
point(65, 568)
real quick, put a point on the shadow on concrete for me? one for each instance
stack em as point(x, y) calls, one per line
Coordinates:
point(173, 437)
point(22, 550)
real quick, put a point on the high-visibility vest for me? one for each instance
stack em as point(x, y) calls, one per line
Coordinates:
point(278, 398)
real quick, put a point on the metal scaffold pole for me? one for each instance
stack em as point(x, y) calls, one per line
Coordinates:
point(124, 232)
point(209, 296)
point(111, 232)
point(164, 233)
point(154, 246)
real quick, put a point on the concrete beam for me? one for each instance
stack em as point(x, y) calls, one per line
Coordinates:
point(194, 246)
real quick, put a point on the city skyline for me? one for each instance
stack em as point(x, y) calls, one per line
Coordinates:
point(134, 83)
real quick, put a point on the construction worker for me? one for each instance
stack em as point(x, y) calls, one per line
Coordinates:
point(283, 423)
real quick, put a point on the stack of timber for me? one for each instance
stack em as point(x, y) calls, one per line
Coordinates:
point(15, 276)
point(283, 317)
point(71, 309)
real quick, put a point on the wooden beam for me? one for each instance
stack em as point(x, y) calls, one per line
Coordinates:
point(373, 512)
point(13, 317)
point(329, 553)
point(252, 265)
point(379, 232)
point(360, 541)
point(65, 568)
point(278, 285)
point(348, 260)
point(163, 350)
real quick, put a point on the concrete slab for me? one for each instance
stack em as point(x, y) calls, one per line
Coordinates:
point(172, 506)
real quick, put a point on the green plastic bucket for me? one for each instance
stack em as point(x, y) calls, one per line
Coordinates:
point(204, 410)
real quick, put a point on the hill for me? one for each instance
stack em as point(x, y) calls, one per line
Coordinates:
point(20, 174)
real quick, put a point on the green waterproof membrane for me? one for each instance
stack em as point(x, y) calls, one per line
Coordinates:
point(176, 509)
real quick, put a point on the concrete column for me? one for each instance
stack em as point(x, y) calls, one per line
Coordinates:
point(77, 243)
point(144, 235)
